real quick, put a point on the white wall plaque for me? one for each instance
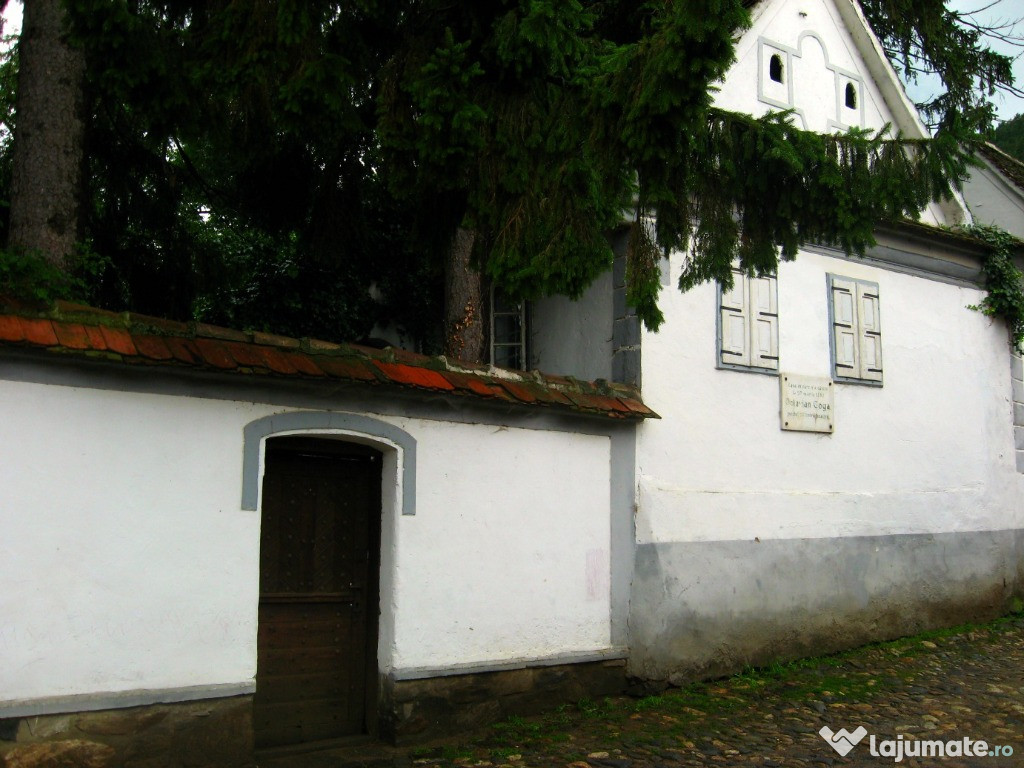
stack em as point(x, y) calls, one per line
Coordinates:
point(806, 403)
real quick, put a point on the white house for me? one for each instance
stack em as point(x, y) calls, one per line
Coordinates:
point(215, 541)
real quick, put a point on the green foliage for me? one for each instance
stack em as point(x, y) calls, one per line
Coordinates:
point(30, 277)
point(1009, 137)
point(265, 164)
point(1004, 282)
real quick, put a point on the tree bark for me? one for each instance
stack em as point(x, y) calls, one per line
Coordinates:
point(47, 154)
point(463, 302)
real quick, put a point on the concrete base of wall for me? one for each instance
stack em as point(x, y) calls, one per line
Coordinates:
point(706, 609)
point(419, 710)
point(213, 733)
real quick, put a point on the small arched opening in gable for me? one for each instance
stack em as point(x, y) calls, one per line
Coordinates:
point(775, 71)
point(851, 96)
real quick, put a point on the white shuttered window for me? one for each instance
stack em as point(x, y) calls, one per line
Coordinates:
point(748, 323)
point(856, 329)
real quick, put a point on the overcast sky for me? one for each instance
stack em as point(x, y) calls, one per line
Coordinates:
point(989, 12)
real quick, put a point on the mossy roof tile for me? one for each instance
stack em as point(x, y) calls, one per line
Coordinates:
point(130, 338)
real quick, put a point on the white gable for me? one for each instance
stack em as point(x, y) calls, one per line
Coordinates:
point(820, 59)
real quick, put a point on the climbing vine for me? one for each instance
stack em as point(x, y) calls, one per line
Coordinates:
point(1003, 280)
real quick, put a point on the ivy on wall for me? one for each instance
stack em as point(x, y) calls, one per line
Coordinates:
point(1003, 280)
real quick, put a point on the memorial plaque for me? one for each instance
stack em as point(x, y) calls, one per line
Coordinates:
point(806, 403)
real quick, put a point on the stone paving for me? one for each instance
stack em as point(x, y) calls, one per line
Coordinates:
point(910, 695)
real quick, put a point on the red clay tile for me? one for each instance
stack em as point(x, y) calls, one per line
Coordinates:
point(96, 340)
point(245, 354)
point(637, 407)
point(417, 377)
point(215, 354)
point(518, 391)
point(216, 332)
point(118, 340)
point(38, 331)
point(273, 340)
point(346, 368)
point(473, 384)
point(182, 349)
point(10, 329)
point(275, 361)
point(71, 335)
point(303, 363)
point(153, 347)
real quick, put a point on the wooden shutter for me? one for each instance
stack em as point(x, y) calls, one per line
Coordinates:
point(870, 332)
point(764, 328)
point(845, 331)
point(735, 322)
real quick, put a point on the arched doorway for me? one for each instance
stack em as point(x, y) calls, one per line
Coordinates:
point(316, 676)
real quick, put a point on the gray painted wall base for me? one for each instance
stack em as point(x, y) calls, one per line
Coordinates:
point(705, 609)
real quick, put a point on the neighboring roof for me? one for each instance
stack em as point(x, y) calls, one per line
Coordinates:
point(1009, 166)
point(84, 332)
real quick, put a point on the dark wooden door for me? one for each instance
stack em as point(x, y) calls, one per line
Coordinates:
point(319, 552)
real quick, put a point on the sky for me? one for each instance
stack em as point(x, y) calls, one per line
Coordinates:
point(984, 11)
point(993, 13)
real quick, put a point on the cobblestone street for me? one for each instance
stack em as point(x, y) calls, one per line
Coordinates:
point(943, 687)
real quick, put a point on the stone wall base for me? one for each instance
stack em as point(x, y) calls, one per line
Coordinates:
point(419, 710)
point(212, 733)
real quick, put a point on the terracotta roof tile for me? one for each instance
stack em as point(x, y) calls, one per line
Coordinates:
point(215, 354)
point(72, 335)
point(246, 355)
point(519, 392)
point(303, 363)
point(10, 329)
point(118, 340)
point(96, 340)
point(417, 377)
point(38, 332)
point(347, 368)
point(275, 360)
point(183, 349)
point(153, 347)
point(78, 329)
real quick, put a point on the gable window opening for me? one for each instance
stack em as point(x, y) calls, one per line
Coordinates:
point(851, 96)
point(508, 332)
point(856, 330)
point(748, 327)
point(775, 68)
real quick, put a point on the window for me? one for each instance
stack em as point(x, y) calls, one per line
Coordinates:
point(508, 332)
point(748, 323)
point(856, 338)
point(775, 68)
point(851, 96)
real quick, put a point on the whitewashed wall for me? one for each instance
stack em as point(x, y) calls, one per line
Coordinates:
point(911, 505)
point(126, 562)
point(931, 450)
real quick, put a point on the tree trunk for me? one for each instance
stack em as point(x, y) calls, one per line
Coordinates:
point(463, 302)
point(47, 155)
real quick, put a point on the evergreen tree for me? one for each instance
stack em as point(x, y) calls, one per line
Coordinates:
point(261, 162)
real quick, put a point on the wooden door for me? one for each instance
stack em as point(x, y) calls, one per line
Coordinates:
point(316, 669)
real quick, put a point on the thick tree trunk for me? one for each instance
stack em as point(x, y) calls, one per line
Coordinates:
point(47, 162)
point(463, 302)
